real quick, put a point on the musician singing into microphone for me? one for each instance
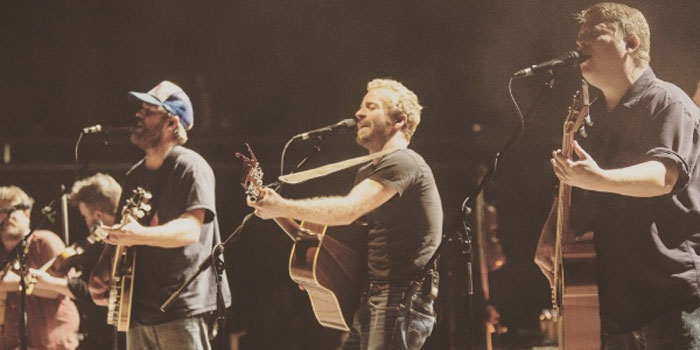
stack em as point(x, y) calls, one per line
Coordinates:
point(52, 318)
point(396, 197)
point(180, 233)
point(641, 179)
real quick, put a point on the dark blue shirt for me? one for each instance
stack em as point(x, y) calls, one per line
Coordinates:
point(647, 248)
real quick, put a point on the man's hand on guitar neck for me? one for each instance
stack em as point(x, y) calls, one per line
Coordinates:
point(583, 173)
point(126, 234)
point(179, 232)
point(333, 211)
point(655, 177)
point(268, 205)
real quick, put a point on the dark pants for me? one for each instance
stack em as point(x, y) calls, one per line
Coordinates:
point(385, 321)
point(678, 330)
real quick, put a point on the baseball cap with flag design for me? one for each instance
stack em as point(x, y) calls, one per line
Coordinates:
point(169, 96)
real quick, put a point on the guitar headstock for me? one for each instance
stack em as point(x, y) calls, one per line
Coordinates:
point(252, 179)
point(576, 115)
point(138, 205)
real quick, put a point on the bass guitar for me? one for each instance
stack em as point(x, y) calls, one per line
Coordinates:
point(329, 263)
point(123, 265)
point(574, 294)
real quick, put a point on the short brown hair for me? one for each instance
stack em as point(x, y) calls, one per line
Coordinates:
point(98, 192)
point(626, 20)
point(406, 102)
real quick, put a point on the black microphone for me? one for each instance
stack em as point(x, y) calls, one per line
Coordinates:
point(570, 58)
point(98, 129)
point(343, 125)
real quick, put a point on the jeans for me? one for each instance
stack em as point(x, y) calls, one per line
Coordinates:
point(677, 330)
point(190, 333)
point(384, 321)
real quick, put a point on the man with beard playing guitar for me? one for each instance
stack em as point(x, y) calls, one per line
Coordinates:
point(181, 232)
point(396, 197)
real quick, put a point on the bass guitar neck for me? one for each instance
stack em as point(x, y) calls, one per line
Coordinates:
point(574, 285)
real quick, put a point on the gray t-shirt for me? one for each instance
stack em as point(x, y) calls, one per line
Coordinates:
point(405, 231)
point(184, 182)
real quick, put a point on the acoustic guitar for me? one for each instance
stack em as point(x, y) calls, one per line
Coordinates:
point(329, 263)
point(575, 288)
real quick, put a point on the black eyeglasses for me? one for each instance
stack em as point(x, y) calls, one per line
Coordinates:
point(14, 208)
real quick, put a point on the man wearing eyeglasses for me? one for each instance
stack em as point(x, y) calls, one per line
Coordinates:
point(52, 319)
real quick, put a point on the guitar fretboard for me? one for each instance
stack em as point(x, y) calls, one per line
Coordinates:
point(115, 292)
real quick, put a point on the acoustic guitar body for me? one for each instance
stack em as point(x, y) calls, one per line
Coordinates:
point(332, 270)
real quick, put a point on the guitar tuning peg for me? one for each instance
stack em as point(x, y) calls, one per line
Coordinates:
point(582, 131)
point(588, 120)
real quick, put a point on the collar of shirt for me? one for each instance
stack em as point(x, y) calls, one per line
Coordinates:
point(635, 92)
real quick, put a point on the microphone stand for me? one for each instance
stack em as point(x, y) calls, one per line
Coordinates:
point(65, 191)
point(317, 147)
point(218, 263)
point(463, 235)
point(22, 245)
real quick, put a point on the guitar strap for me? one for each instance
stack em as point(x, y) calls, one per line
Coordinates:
point(328, 169)
point(154, 184)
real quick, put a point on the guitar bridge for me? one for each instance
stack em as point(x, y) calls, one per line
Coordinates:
point(304, 234)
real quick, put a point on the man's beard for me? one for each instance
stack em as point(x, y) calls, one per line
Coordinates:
point(147, 138)
point(11, 232)
point(379, 134)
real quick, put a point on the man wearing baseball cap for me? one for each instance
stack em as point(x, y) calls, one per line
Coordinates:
point(177, 235)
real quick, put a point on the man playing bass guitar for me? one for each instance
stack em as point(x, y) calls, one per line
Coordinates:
point(641, 178)
point(396, 197)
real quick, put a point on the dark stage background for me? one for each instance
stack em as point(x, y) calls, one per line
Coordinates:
point(262, 71)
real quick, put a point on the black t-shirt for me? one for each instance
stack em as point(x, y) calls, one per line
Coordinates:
point(405, 231)
point(93, 318)
point(647, 248)
point(184, 182)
